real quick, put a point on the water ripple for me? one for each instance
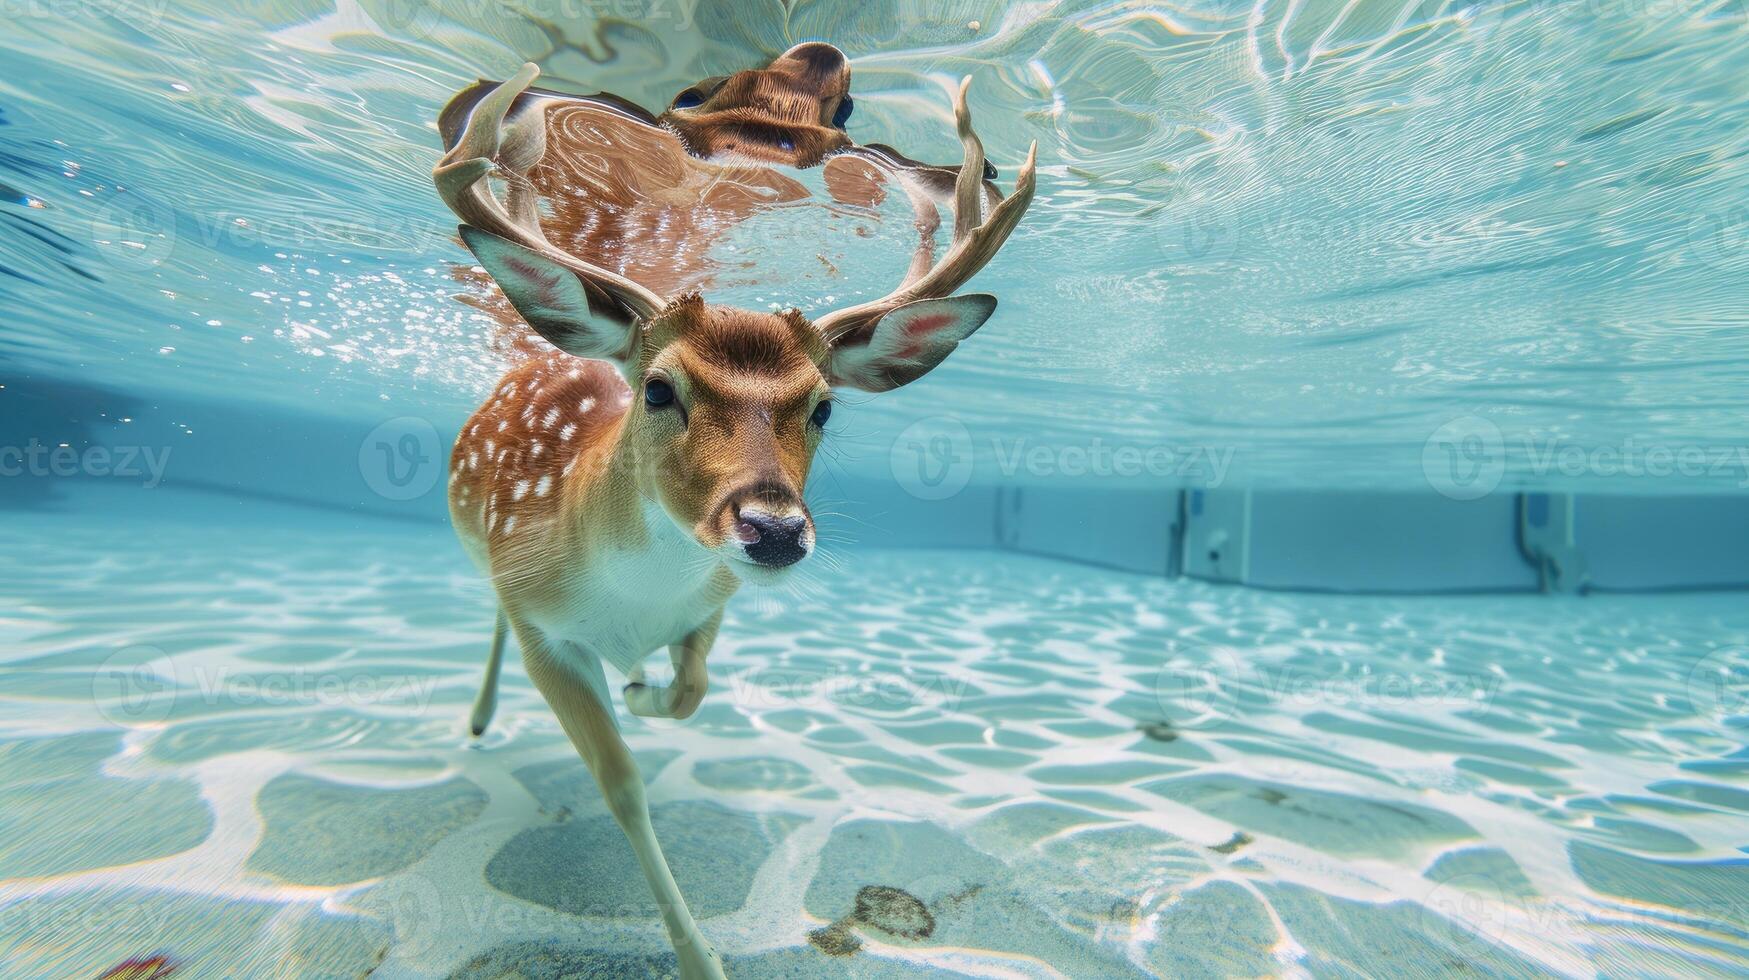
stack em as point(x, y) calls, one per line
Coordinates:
point(1252, 220)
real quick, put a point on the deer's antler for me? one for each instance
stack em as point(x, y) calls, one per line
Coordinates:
point(486, 147)
point(976, 237)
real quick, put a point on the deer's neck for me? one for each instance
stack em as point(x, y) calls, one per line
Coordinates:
point(619, 518)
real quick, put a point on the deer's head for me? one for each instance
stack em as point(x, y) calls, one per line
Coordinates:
point(791, 112)
point(730, 405)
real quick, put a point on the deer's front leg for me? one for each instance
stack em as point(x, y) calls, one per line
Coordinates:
point(681, 698)
point(588, 722)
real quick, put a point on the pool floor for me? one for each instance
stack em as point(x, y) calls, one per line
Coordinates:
point(243, 750)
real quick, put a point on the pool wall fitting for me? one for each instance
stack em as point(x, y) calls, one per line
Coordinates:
point(222, 462)
point(1548, 539)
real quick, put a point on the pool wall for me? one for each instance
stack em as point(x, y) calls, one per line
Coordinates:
point(224, 458)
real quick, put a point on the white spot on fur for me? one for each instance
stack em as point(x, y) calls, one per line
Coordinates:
point(509, 523)
point(568, 431)
point(521, 490)
point(586, 404)
point(543, 485)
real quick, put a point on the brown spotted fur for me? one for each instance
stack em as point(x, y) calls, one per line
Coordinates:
point(628, 196)
point(551, 468)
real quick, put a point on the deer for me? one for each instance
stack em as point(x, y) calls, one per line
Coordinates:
point(619, 489)
point(646, 194)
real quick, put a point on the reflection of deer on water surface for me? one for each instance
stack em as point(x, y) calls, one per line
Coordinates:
point(647, 196)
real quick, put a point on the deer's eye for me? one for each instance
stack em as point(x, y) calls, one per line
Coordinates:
point(658, 393)
point(822, 412)
point(689, 99)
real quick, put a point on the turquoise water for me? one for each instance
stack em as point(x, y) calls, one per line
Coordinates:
point(1313, 233)
point(251, 757)
point(1303, 239)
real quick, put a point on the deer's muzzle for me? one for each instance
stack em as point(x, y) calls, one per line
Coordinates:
point(772, 540)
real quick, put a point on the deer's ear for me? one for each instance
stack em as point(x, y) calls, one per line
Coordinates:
point(570, 312)
point(908, 342)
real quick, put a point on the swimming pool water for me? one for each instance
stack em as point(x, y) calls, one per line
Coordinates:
point(251, 757)
point(1312, 233)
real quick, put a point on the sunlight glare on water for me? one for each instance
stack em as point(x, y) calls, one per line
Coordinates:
point(1313, 233)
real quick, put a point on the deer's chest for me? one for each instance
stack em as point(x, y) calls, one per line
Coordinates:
point(627, 603)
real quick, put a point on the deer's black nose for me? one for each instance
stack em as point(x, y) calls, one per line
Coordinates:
point(771, 540)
